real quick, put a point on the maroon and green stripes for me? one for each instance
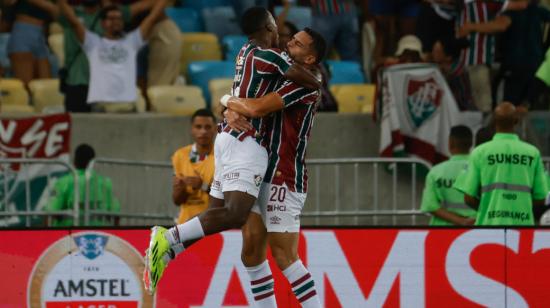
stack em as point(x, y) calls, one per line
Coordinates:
point(304, 288)
point(257, 73)
point(331, 7)
point(262, 288)
point(287, 137)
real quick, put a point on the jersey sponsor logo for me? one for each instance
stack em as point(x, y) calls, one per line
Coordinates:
point(231, 176)
point(276, 208)
point(105, 271)
point(510, 159)
point(423, 96)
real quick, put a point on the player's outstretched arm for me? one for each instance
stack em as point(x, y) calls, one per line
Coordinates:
point(303, 77)
point(254, 107)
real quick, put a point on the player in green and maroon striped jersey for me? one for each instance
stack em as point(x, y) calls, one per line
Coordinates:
point(240, 160)
point(283, 192)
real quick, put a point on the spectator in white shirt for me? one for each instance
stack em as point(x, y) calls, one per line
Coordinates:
point(112, 56)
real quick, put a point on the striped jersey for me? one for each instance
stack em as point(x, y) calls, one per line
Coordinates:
point(481, 49)
point(287, 134)
point(331, 7)
point(257, 73)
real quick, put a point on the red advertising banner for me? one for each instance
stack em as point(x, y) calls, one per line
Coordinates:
point(45, 137)
point(351, 268)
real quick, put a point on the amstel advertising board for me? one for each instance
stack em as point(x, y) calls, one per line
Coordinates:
point(351, 267)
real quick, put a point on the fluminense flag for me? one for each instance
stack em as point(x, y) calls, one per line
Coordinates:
point(417, 110)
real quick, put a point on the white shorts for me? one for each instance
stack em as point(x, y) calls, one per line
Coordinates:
point(239, 165)
point(280, 208)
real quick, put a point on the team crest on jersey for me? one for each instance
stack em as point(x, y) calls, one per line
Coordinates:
point(257, 180)
point(423, 96)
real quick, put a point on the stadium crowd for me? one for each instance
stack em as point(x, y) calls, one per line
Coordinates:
point(474, 42)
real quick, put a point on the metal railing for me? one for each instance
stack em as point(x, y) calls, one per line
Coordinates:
point(27, 175)
point(346, 191)
point(374, 200)
point(151, 183)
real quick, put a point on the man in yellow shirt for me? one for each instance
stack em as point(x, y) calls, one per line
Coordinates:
point(194, 167)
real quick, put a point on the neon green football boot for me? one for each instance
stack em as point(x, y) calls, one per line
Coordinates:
point(155, 260)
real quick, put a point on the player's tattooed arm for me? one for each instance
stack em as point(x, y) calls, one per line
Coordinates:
point(254, 107)
point(303, 77)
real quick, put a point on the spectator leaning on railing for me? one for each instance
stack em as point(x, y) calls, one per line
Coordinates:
point(194, 167)
point(112, 57)
point(100, 193)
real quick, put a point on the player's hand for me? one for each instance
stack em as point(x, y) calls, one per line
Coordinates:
point(237, 121)
point(178, 186)
point(194, 181)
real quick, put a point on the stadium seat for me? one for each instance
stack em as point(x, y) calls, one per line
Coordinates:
point(177, 100)
point(345, 72)
point(232, 45)
point(198, 5)
point(221, 21)
point(199, 47)
point(56, 44)
point(187, 19)
point(16, 109)
point(218, 88)
point(201, 72)
point(141, 104)
point(12, 92)
point(354, 98)
point(300, 16)
point(45, 95)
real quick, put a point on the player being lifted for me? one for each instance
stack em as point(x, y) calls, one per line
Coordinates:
point(275, 218)
point(240, 161)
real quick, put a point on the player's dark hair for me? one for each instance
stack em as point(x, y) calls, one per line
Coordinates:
point(319, 44)
point(105, 11)
point(293, 29)
point(83, 154)
point(254, 19)
point(203, 113)
point(463, 137)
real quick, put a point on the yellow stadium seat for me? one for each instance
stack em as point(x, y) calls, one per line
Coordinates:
point(16, 109)
point(56, 28)
point(141, 104)
point(56, 44)
point(12, 92)
point(177, 100)
point(45, 95)
point(354, 98)
point(218, 88)
point(199, 46)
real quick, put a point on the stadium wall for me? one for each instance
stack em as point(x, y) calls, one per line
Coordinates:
point(351, 268)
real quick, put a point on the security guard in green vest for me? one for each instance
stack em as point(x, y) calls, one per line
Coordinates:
point(440, 199)
point(505, 177)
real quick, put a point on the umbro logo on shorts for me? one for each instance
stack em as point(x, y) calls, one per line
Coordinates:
point(231, 176)
point(275, 220)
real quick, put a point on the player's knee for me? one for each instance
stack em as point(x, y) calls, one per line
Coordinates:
point(283, 257)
